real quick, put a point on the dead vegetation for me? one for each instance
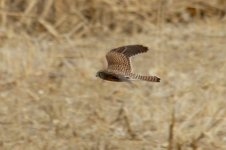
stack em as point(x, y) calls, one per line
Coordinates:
point(81, 18)
point(51, 50)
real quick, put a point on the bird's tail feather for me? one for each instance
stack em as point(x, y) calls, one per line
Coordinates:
point(146, 78)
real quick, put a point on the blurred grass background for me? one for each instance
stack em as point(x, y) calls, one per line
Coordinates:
point(50, 98)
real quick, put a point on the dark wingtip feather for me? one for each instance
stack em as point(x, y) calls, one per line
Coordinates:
point(145, 48)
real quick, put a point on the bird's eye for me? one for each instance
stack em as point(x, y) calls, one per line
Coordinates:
point(101, 74)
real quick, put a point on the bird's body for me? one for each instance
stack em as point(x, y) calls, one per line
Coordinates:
point(119, 65)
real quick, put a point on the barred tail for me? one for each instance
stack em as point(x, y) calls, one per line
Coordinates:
point(147, 78)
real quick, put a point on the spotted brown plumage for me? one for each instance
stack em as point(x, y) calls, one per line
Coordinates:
point(119, 65)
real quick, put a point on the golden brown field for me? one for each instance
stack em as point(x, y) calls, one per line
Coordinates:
point(51, 50)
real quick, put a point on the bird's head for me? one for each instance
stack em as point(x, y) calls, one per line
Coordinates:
point(100, 74)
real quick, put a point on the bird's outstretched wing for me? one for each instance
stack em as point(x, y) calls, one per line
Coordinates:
point(119, 58)
point(130, 50)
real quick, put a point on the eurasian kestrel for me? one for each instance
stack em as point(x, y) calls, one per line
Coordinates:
point(119, 65)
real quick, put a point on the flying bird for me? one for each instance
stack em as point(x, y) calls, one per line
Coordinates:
point(119, 65)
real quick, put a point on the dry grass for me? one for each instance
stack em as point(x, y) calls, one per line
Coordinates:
point(51, 99)
point(81, 18)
